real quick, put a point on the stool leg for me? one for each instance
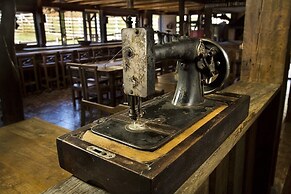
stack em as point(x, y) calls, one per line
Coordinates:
point(57, 77)
point(46, 77)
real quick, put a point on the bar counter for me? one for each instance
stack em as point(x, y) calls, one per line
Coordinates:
point(263, 97)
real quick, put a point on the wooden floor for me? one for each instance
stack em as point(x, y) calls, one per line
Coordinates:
point(56, 107)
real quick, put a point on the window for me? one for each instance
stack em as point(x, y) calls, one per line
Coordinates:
point(93, 27)
point(25, 33)
point(114, 26)
point(156, 26)
point(194, 21)
point(178, 23)
point(219, 18)
point(52, 26)
point(74, 26)
point(156, 22)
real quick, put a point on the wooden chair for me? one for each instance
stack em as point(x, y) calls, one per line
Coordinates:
point(49, 71)
point(88, 105)
point(65, 57)
point(100, 54)
point(95, 86)
point(75, 76)
point(84, 56)
point(115, 52)
point(28, 73)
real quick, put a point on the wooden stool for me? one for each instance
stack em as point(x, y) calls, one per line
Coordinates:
point(49, 71)
point(84, 56)
point(28, 72)
point(100, 54)
point(115, 52)
point(95, 86)
point(75, 76)
point(65, 57)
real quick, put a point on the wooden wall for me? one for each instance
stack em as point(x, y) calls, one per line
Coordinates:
point(265, 40)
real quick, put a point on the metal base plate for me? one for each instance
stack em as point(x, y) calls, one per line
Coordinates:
point(161, 122)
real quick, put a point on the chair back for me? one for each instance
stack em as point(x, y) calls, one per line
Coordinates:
point(49, 59)
point(66, 57)
point(75, 77)
point(94, 85)
point(84, 56)
point(100, 54)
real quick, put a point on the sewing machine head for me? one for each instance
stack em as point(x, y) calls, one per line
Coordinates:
point(202, 67)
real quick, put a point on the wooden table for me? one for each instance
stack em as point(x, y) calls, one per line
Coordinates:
point(261, 96)
point(112, 70)
point(28, 161)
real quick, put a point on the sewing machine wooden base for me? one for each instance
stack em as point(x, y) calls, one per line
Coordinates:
point(121, 168)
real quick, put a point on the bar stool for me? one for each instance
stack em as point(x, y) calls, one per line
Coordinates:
point(75, 76)
point(28, 72)
point(115, 52)
point(65, 57)
point(96, 87)
point(49, 71)
point(84, 56)
point(100, 54)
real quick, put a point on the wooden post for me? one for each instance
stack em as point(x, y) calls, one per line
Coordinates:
point(10, 92)
point(39, 24)
point(181, 16)
point(85, 18)
point(265, 47)
point(63, 27)
point(265, 41)
point(208, 20)
point(103, 20)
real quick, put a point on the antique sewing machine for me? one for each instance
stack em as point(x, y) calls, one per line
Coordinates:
point(155, 146)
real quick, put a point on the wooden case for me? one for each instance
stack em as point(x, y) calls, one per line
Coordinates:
point(119, 168)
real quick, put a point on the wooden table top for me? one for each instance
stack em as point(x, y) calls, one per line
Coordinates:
point(108, 66)
point(57, 49)
point(28, 162)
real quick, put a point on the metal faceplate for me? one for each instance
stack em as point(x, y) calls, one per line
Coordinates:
point(138, 61)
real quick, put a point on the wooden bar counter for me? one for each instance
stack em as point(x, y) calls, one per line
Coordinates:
point(28, 161)
point(262, 95)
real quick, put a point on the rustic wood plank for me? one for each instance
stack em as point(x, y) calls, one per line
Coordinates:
point(249, 158)
point(236, 167)
point(74, 185)
point(218, 179)
point(10, 90)
point(265, 42)
point(28, 162)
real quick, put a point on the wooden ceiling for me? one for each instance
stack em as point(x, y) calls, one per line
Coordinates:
point(162, 6)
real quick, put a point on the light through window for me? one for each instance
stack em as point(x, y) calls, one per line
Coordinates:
point(156, 26)
point(52, 26)
point(74, 26)
point(114, 26)
point(25, 33)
